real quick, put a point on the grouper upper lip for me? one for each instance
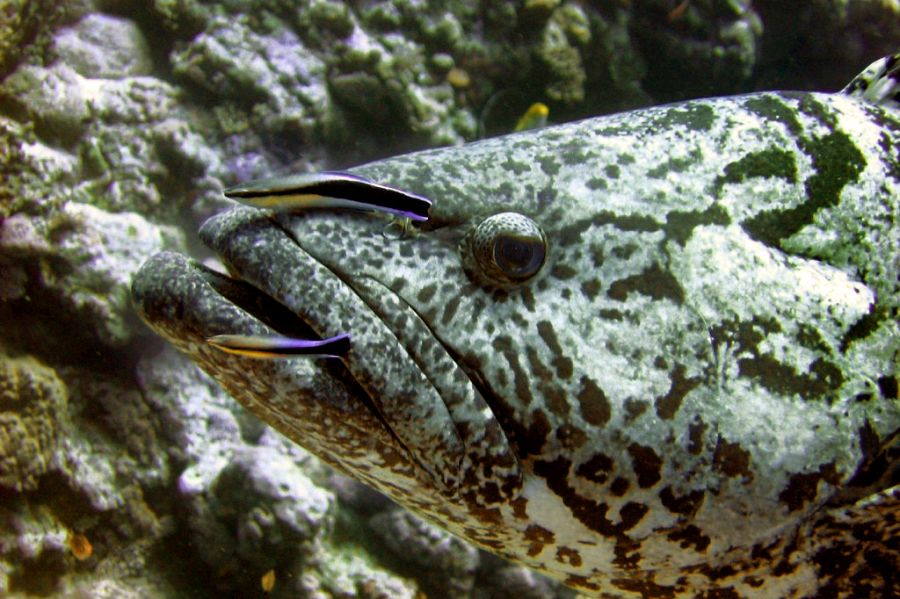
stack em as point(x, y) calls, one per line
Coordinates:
point(416, 388)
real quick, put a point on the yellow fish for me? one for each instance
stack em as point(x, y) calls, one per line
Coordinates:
point(534, 118)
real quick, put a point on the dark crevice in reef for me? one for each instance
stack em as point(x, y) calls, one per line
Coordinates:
point(41, 325)
point(39, 576)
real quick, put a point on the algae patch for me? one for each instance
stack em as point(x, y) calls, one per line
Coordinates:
point(773, 162)
point(837, 162)
point(32, 399)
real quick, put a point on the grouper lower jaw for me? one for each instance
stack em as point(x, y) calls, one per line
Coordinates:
point(648, 354)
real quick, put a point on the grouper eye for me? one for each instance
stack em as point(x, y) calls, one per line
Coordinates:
point(518, 258)
point(508, 248)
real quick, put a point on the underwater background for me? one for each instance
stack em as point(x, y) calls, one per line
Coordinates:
point(124, 470)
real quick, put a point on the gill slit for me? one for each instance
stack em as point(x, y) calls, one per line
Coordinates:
point(483, 389)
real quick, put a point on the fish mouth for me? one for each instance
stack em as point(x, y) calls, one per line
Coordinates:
point(186, 302)
point(396, 370)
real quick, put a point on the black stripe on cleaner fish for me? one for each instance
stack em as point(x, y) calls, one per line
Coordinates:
point(329, 189)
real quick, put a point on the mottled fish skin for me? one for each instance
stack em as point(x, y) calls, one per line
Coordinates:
point(696, 394)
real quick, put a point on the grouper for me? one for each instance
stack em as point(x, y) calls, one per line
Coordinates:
point(653, 354)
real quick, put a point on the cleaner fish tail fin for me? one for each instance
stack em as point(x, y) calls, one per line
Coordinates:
point(879, 82)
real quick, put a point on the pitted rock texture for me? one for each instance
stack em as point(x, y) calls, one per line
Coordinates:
point(34, 403)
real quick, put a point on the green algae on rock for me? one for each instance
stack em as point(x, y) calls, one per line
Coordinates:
point(33, 401)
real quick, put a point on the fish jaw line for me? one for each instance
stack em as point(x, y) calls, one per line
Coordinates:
point(488, 463)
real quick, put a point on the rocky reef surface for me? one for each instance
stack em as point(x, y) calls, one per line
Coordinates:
point(126, 472)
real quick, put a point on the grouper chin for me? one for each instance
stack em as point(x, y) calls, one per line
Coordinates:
point(650, 354)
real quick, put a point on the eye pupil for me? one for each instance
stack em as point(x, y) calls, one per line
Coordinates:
point(517, 257)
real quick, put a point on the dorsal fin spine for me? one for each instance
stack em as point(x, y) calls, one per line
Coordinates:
point(879, 82)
